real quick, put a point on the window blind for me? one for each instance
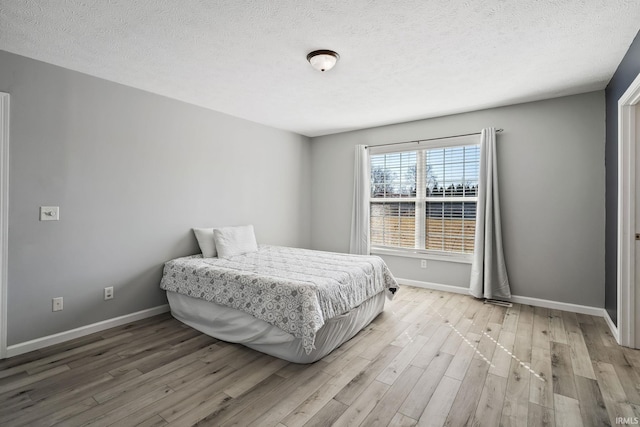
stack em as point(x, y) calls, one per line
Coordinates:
point(425, 199)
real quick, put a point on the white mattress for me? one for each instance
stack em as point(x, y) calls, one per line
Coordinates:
point(231, 325)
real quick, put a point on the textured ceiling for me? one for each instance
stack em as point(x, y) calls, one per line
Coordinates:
point(400, 60)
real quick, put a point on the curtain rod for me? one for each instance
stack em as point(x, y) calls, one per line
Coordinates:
point(430, 139)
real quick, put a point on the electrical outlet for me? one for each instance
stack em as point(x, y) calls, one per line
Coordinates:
point(56, 304)
point(423, 263)
point(108, 293)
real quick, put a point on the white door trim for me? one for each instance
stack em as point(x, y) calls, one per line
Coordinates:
point(4, 217)
point(627, 105)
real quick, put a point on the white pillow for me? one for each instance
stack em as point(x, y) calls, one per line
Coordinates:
point(231, 241)
point(206, 242)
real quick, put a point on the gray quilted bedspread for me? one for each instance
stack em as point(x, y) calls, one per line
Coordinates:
point(293, 289)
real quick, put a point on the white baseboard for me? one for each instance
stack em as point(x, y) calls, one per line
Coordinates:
point(612, 326)
point(536, 302)
point(434, 286)
point(557, 305)
point(38, 343)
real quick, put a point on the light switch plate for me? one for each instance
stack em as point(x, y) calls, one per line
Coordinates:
point(49, 213)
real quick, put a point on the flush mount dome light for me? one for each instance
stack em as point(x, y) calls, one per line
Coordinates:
point(323, 60)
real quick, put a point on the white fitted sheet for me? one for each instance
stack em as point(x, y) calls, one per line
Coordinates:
point(232, 325)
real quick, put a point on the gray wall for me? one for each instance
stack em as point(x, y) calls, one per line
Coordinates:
point(132, 172)
point(551, 157)
point(625, 74)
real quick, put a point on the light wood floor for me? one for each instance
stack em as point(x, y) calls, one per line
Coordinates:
point(431, 358)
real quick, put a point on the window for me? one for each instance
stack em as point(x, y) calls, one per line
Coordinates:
point(424, 195)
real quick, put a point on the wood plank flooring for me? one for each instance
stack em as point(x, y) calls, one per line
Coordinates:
point(430, 359)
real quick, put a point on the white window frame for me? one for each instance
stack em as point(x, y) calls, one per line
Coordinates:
point(421, 201)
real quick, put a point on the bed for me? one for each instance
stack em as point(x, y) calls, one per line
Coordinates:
point(295, 304)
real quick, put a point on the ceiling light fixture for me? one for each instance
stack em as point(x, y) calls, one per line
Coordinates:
point(323, 60)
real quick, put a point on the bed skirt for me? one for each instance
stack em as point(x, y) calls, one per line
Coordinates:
point(228, 324)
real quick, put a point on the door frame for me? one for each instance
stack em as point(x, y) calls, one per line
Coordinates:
point(626, 268)
point(4, 217)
